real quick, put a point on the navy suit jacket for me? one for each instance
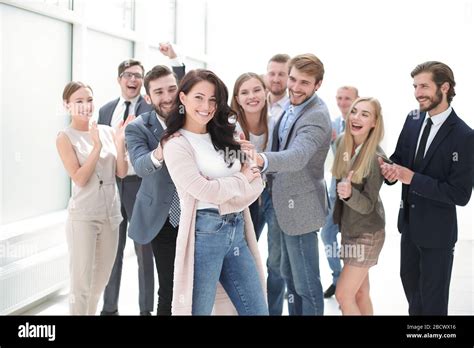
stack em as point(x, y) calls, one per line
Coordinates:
point(444, 180)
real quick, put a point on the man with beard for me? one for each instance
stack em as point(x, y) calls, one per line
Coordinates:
point(296, 184)
point(156, 212)
point(130, 80)
point(276, 80)
point(434, 161)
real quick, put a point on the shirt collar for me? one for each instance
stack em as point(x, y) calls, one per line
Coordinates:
point(281, 102)
point(441, 117)
point(133, 101)
point(298, 108)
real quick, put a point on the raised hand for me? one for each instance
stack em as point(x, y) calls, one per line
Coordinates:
point(344, 188)
point(247, 147)
point(94, 133)
point(167, 49)
point(120, 130)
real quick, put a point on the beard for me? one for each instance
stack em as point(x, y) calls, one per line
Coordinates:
point(434, 101)
point(161, 111)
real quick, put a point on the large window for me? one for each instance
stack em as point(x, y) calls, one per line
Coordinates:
point(115, 14)
point(34, 69)
point(104, 54)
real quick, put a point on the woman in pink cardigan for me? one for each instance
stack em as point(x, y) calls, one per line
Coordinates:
point(217, 263)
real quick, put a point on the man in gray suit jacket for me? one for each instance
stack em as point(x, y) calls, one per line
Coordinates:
point(300, 144)
point(156, 212)
point(130, 79)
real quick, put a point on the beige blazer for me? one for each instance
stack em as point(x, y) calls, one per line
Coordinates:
point(231, 194)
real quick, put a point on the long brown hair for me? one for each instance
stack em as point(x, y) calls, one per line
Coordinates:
point(363, 163)
point(241, 117)
point(219, 128)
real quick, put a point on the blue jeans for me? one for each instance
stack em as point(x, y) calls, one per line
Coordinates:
point(300, 268)
point(222, 255)
point(329, 236)
point(275, 282)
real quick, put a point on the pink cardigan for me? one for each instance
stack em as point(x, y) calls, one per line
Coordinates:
point(231, 194)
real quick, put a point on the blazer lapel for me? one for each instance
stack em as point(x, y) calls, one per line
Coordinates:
point(445, 129)
point(110, 113)
point(418, 123)
point(276, 138)
point(154, 126)
point(287, 135)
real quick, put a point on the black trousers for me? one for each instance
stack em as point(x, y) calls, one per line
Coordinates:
point(164, 250)
point(426, 275)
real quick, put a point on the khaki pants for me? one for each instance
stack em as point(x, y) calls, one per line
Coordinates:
point(92, 248)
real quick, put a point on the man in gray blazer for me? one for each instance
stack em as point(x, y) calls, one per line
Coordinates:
point(130, 79)
point(300, 144)
point(155, 215)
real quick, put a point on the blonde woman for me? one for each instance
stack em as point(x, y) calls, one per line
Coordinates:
point(359, 211)
point(92, 156)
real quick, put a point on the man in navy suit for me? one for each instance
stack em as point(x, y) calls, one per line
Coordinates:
point(155, 216)
point(434, 161)
point(130, 79)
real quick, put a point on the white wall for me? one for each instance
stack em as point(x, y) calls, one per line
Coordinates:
point(371, 44)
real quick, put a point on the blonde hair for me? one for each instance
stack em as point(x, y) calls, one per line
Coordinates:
point(363, 163)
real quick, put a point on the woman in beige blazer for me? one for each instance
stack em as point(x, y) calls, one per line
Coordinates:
point(217, 262)
point(359, 211)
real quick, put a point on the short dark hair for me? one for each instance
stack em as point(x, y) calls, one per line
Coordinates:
point(155, 73)
point(127, 64)
point(441, 74)
point(280, 58)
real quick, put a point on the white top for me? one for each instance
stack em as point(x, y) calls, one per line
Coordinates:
point(438, 121)
point(209, 162)
point(276, 109)
point(117, 116)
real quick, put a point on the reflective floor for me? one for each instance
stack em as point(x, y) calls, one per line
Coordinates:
point(386, 288)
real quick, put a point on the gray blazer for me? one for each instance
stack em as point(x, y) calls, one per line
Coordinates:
point(153, 200)
point(298, 188)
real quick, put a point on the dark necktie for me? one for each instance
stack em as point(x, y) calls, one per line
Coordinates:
point(127, 108)
point(343, 126)
point(422, 147)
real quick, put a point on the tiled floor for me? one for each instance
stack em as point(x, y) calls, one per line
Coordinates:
point(386, 289)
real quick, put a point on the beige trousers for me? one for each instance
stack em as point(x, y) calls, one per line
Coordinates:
point(92, 249)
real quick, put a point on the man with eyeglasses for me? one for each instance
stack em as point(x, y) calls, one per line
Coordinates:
point(131, 102)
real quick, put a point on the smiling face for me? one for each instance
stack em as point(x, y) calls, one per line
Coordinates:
point(361, 120)
point(429, 96)
point(200, 105)
point(130, 83)
point(251, 96)
point(162, 93)
point(81, 104)
point(277, 77)
point(301, 86)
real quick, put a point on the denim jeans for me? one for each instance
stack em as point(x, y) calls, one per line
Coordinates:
point(275, 282)
point(329, 236)
point(222, 255)
point(300, 268)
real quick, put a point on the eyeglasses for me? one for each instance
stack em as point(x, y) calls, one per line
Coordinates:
point(128, 75)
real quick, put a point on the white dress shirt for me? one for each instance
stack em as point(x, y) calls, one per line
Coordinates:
point(438, 121)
